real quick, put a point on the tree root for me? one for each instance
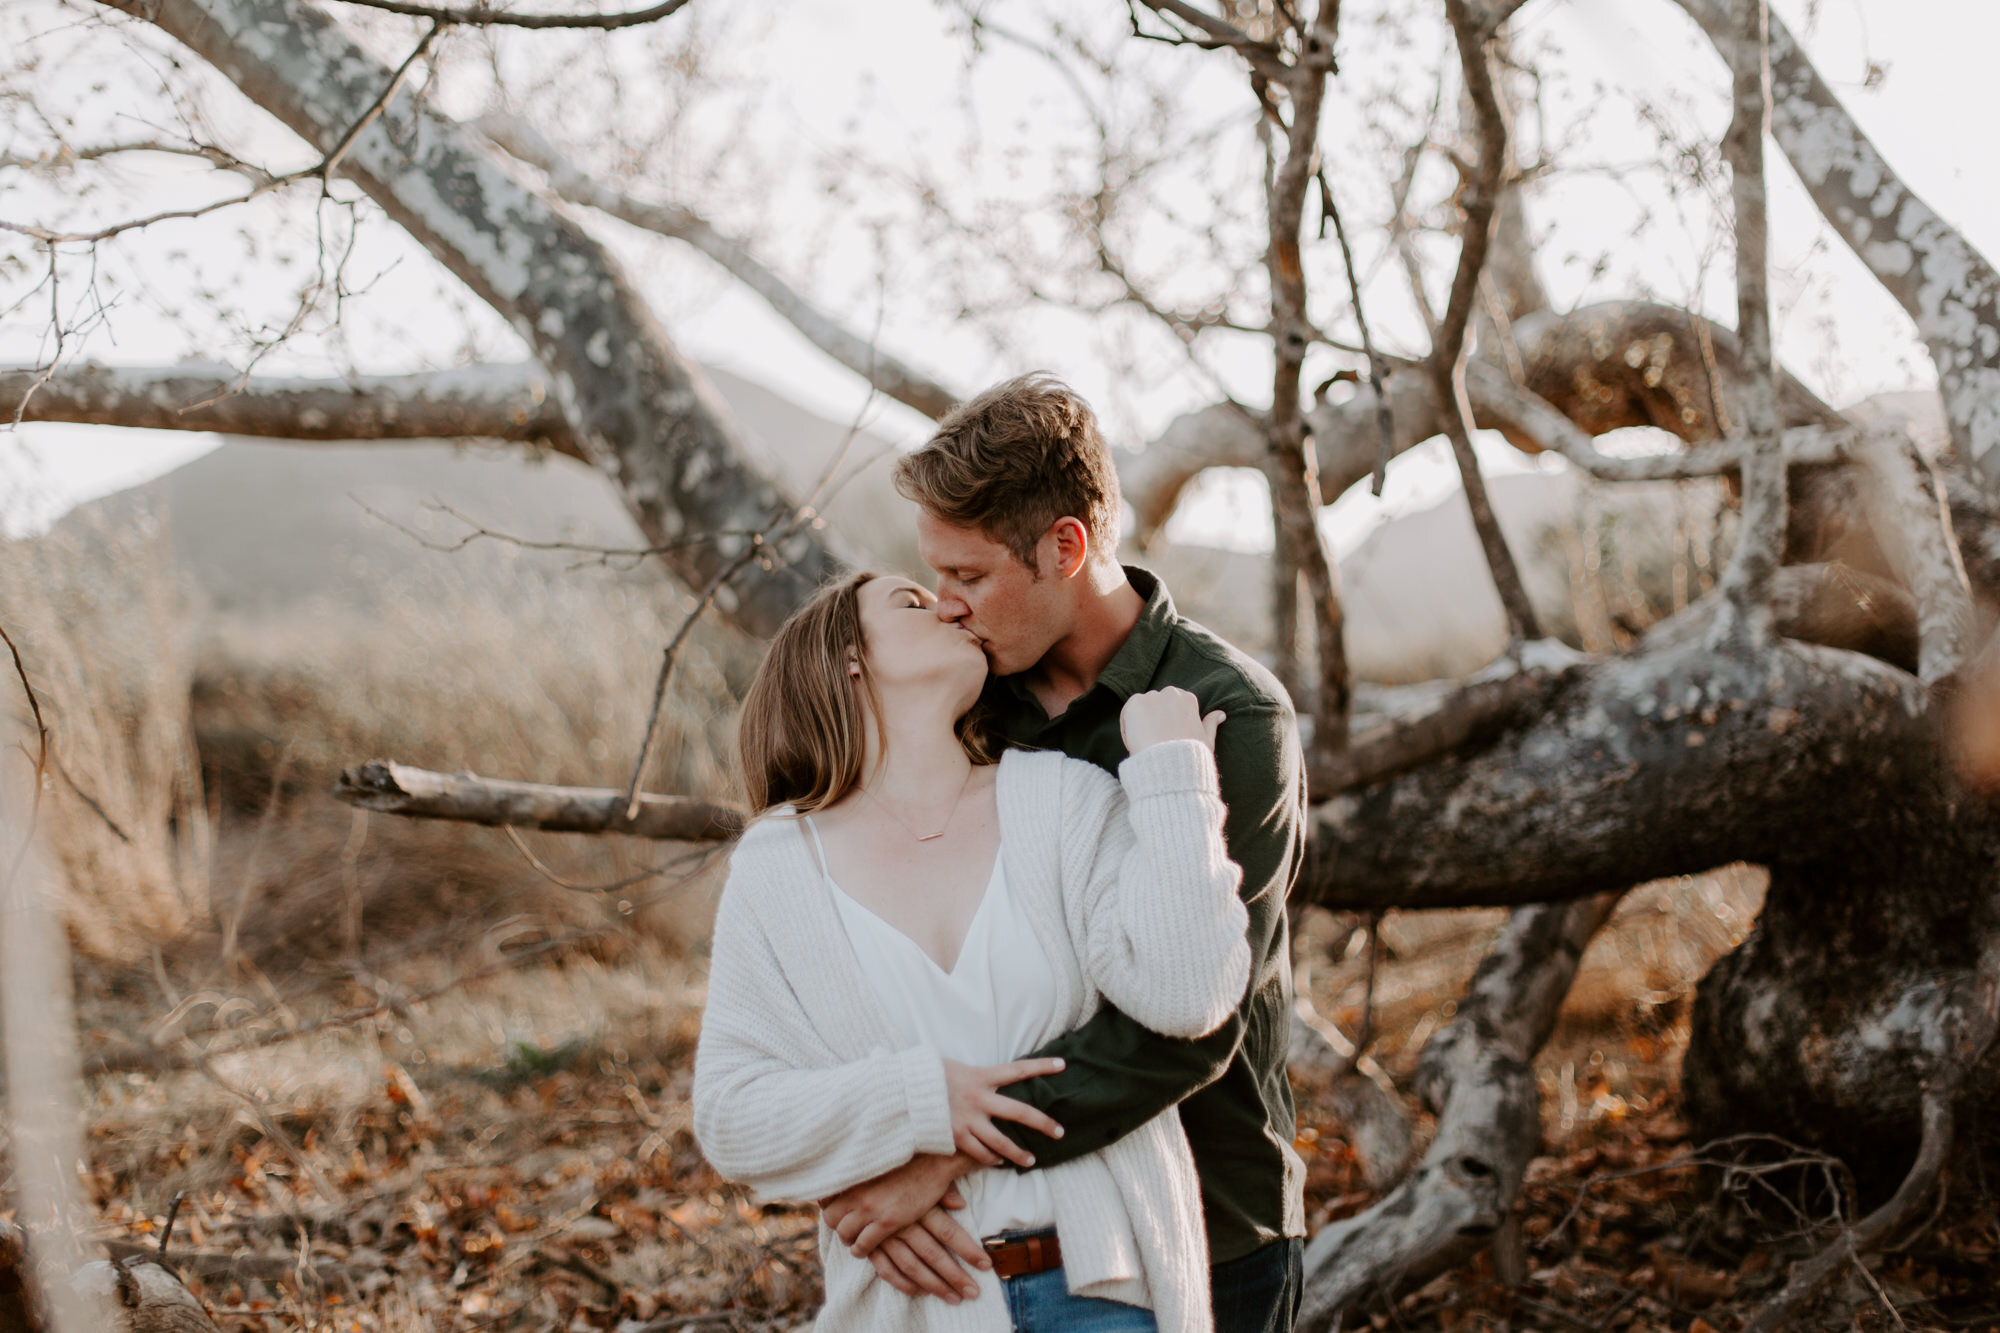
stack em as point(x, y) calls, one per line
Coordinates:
point(1477, 1074)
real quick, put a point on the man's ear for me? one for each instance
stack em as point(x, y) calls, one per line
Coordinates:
point(1072, 546)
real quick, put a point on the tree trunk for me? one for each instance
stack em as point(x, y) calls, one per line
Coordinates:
point(1856, 991)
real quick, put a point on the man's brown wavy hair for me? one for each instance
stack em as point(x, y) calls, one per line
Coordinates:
point(801, 738)
point(1014, 460)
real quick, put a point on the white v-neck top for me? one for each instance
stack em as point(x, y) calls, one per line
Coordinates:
point(985, 1011)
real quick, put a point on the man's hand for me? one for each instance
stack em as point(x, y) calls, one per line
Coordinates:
point(865, 1215)
point(925, 1258)
point(899, 1203)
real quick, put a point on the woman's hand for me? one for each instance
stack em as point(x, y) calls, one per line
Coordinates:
point(975, 1105)
point(1171, 714)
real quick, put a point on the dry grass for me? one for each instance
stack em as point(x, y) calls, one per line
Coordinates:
point(102, 633)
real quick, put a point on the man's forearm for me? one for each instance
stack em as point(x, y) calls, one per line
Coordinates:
point(1117, 1076)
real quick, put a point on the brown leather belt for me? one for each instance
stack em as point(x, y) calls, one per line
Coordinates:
point(1020, 1256)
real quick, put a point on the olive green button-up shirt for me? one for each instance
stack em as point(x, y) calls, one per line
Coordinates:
point(1230, 1085)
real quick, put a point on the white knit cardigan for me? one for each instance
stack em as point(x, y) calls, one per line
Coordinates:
point(800, 1089)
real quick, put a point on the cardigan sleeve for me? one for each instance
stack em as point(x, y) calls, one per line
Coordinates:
point(771, 1110)
point(1163, 928)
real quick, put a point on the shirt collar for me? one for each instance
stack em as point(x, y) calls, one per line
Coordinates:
point(1131, 669)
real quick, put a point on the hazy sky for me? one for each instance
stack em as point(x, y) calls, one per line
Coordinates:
point(889, 80)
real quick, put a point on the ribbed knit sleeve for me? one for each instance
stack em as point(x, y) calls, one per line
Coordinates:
point(1162, 927)
point(768, 1109)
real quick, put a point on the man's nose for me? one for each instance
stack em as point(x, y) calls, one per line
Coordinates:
point(950, 608)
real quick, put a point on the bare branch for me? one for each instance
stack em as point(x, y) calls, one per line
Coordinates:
point(885, 373)
point(476, 531)
point(500, 402)
point(397, 789)
point(1499, 402)
point(1761, 536)
point(486, 16)
point(1809, 1277)
point(65, 156)
point(1295, 493)
point(1478, 197)
point(1264, 57)
point(637, 407)
point(1907, 511)
point(322, 170)
point(1378, 368)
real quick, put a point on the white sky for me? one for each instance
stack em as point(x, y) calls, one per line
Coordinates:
point(889, 80)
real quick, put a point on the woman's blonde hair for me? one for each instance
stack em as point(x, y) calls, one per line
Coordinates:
point(800, 736)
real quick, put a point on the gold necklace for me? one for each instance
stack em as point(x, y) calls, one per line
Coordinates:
point(925, 837)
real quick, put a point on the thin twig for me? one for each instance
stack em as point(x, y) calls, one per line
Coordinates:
point(1378, 369)
point(483, 16)
point(552, 877)
point(322, 170)
point(477, 531)
point(332, 161)
point(41, 758)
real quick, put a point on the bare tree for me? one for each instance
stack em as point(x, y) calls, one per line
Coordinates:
point(1758, 725)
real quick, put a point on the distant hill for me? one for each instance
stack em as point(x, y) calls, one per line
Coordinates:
point(260, 525)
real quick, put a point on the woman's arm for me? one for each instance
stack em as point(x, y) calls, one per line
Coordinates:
point(1163, 934)
point(765, 1116)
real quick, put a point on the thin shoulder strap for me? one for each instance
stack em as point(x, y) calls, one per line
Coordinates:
point(819, 848)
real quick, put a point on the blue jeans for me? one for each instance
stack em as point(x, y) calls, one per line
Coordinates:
point(1259, 1293)
point(1041, 1303)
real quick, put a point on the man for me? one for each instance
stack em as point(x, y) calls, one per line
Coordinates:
point(1019, 510)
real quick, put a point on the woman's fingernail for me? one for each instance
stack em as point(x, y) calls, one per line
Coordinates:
point(1031, 1159)
point(1058, 1134)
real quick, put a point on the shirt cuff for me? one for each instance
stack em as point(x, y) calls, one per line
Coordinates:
point(928, 1100)
point(1171, 766)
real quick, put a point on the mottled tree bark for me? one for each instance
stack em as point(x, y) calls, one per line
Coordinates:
point(1925, 263)
point(498, 402)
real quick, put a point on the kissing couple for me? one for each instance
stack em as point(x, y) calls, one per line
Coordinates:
point(1001, 975)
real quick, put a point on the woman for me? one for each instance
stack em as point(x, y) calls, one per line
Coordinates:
point(909, 916)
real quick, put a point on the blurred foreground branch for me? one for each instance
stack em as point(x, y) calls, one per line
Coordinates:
point(398, 789)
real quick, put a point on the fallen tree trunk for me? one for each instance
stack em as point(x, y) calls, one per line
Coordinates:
point(1667, 762)
point(398, 789)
